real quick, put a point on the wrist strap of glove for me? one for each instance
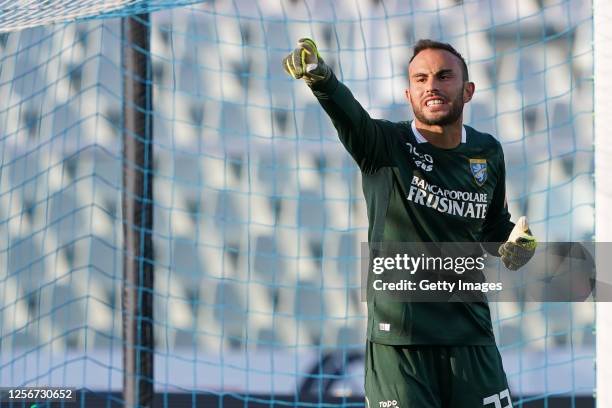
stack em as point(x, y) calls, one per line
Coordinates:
point(320, 74)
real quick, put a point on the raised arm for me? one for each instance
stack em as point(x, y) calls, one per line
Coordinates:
point(368, 140)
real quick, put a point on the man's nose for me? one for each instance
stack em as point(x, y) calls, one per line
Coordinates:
point(432, 85)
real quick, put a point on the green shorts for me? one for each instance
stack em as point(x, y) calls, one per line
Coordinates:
point(435, 377)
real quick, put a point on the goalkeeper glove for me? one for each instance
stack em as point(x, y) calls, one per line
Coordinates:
point(306, 62)
point(520, 247)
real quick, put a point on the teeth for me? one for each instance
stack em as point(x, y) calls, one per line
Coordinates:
point(435, 102)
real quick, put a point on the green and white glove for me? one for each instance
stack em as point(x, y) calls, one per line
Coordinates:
point(306, 63)
point(520, 247)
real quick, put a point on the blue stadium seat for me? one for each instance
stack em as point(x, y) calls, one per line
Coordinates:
point(65, 214)
point(25, 263)
point(230, 311)
point(66, 310)
point(185, 261)
point(310, 310)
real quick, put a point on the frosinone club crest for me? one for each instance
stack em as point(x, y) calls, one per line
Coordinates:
point(478, 167)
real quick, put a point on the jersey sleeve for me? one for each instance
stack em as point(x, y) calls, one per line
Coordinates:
point(367, 140)
point(497, 225)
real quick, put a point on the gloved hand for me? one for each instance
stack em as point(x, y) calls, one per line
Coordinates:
point(520, 247)
point(306, 62)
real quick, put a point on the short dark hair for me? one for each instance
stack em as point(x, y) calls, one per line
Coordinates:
point(426, 44)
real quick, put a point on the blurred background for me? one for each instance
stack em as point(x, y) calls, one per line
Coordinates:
point(259, 213)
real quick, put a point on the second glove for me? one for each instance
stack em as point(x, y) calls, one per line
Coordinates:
point(520, 247)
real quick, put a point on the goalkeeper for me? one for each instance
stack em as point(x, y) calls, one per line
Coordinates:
point(426, 355)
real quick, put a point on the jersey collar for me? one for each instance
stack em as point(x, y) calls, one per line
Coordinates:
point(421, 139)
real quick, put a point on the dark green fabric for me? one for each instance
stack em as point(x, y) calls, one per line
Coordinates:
point(409, 189)
point(435, 377)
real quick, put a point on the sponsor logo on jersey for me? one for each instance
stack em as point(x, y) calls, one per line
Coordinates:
point(388, 404)
point(423, 161)
point(479, 170)
point(466, 204)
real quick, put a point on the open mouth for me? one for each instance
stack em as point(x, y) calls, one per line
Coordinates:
point(436, 105)
point(434, 102)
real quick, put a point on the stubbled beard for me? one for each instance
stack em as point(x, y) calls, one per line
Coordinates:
point(451, 117)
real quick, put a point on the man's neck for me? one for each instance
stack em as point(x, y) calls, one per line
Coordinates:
point(444, 137)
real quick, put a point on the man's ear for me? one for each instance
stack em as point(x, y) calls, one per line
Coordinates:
point(468, 91)
point(407, 92)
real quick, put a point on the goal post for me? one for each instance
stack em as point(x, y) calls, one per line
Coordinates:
point(137, 198)
point(602, 15)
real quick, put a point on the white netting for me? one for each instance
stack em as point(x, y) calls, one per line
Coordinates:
point(20, 14)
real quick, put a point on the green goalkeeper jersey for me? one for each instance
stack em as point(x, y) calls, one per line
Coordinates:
point(416, 192)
